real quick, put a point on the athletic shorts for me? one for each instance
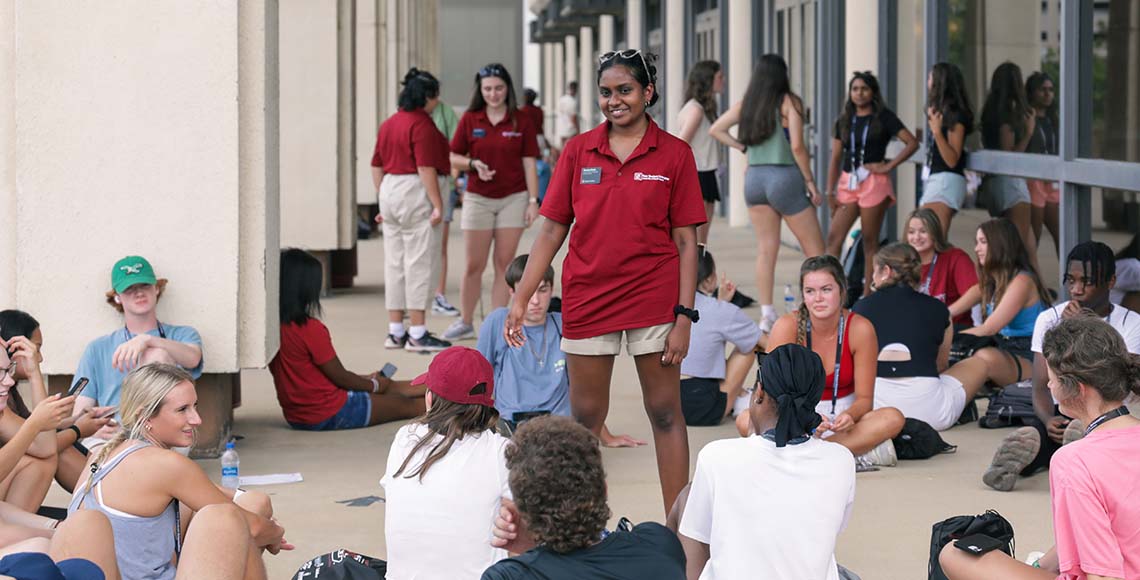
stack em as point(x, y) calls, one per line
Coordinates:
point(872, 191)
point(780, 187)
point(490, 213)
point(938, 401)
point(41, 567)
point(702, 402)
point(1001, 192)
point(947, 188)
point(638, 341)
point(710, 189)
point(355, 413)
point(1043, 192)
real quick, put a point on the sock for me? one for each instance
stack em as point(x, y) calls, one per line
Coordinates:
point(396, 329)
point(767, 311)
point(417, 332)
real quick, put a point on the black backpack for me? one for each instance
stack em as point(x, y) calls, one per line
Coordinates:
point(1010, 407)
point(918, 440)
point(990, 523)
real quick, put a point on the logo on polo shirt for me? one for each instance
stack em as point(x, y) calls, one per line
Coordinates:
point(509, 134)
point(639, 176)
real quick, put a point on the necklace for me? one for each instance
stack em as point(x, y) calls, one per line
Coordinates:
point(1117, 412)
point(541, 355)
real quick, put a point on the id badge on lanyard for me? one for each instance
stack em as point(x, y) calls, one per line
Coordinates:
point(854, 177)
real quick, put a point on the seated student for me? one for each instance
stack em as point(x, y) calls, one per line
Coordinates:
point(915, 334)
point(1096, 518)
point(1127, 290)
point(142, 485)
point(773, 504)
point(557, 521)
point(847, 344)
point(710, 385)
point(532, 380)
point(135, 292)
point(315, 391)
point(446, 475)
point(947, 272)
point(1012, 295)
point(1089, 277)
point(82, 548)
point(22, 333)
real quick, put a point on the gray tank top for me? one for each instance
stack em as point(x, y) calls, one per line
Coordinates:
point(144, 546)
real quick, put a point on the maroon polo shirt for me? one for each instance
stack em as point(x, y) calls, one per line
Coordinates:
point(622, 270)
point(410, 139)
point(537, 118)
point(501, 146)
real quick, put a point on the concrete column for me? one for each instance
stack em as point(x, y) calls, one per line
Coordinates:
point(605, 33)
point(559, 80)
point(587, 89)
point(674, 70)
point(8, 229)
point(739, 73)
point(635, 23)
point(570, 53)
point(860, 54)
point(550, 94)
point(346, 124)
point(391, 49)
point(368, 96)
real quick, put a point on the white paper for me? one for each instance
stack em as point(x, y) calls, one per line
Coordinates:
point(271, 479)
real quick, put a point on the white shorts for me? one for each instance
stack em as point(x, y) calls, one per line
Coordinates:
point(938, 401)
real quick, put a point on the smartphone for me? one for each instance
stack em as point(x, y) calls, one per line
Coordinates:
point(389, 370)
point(78, 387)
point(108, 413)
point(978, 544)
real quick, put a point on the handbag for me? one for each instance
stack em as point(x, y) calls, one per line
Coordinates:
point(342, 565)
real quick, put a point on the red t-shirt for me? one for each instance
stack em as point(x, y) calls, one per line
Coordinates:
point(306, 395)
point(501, 146)
point(410, 139)
point(954, 274)
point(537, 118)
point(622, 270)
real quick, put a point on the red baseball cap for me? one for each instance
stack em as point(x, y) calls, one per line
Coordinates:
point(461, 375)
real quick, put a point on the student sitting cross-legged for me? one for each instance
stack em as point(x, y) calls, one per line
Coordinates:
point(531, 380)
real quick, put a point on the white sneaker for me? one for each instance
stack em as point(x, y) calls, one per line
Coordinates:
point(767, 322)
point(441, 306)
point(459, 330)
point(882, 455)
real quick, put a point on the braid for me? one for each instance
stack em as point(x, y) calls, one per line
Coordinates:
point(102, 455)
point(801, 324)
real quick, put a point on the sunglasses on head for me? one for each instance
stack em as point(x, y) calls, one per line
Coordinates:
point(492, 70)
point(625, 55)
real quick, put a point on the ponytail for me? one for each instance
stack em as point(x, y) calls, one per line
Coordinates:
point(420, 86)
point(1133, 374)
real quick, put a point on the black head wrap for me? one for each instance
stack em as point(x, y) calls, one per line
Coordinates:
point(794, 376)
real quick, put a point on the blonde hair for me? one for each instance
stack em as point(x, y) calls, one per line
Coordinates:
point(143, 392)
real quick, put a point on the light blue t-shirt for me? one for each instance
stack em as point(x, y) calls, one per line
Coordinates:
point(721, 323)
point(105, 379)
point(522, 384)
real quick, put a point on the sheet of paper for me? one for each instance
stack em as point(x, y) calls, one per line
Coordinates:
point(270, 479)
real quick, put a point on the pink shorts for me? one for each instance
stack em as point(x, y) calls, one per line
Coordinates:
point(872, 191)
point(1043, 192)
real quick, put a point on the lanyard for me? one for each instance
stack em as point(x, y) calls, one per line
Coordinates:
point(929, 275)
point(1049, 150)
point(1117, 412)
point(858, 162)
point(161, 332)
point(838, 357)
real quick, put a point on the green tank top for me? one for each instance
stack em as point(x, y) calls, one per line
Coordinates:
point(775, 150)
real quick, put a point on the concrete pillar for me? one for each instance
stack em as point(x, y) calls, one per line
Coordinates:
point(346, 124)
point(635, 23)
point(861, 26)
point(587, 89)
point(550, 93)
point(739, 73)
point(391, 49)
point(570, 53)
point(605, 33)
point(559, 80)
point(368, 95)
point(674, 70)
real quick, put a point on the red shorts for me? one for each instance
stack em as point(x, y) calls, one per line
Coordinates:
point(1043, 192)
point(872, 191)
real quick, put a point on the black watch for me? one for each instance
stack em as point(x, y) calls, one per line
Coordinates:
point(681, 310)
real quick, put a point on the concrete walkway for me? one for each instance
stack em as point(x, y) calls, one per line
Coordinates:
point(887, 538)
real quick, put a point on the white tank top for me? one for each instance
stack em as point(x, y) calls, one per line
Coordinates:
point(704, 147)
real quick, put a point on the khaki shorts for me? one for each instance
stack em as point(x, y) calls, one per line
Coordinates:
point(488, 213)
point(638, 341)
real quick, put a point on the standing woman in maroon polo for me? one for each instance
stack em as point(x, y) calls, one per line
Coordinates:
point(631, 191)
point(498, 148)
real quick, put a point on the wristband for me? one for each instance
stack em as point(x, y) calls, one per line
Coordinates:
point(471, 164)
point(693, 315)
point(78, 435)
point(375, 384)
point(534, 200)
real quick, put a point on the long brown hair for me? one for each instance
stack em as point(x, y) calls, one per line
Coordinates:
point(933, 227)
point(451, 422)
point(699, 87)
point(904, 263)
point(760, 109)
point(824, 263)
point(1006, 257)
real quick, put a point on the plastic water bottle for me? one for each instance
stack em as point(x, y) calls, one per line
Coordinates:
point(789, 299)
point(230, 464)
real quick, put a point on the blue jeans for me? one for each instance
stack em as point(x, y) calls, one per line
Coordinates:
point(354, 414)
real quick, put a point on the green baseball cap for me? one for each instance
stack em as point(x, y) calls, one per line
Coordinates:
point(130, 271)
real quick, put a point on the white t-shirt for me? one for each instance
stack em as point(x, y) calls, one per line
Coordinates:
point(567, 109)
point(704, 148)
point(768, 512)
point(440, 528)
point(1127, 279)
point(1125, 321)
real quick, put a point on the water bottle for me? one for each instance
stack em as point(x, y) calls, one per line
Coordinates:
point(789, 299)
point(230, 463)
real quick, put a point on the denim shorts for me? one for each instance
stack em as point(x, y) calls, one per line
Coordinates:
point(354, 414)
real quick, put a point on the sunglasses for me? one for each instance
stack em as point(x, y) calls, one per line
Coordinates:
point(492, 70)
point(624, 55)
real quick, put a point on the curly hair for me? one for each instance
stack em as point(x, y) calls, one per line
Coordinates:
point(1085, 350)
point(558, 482)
